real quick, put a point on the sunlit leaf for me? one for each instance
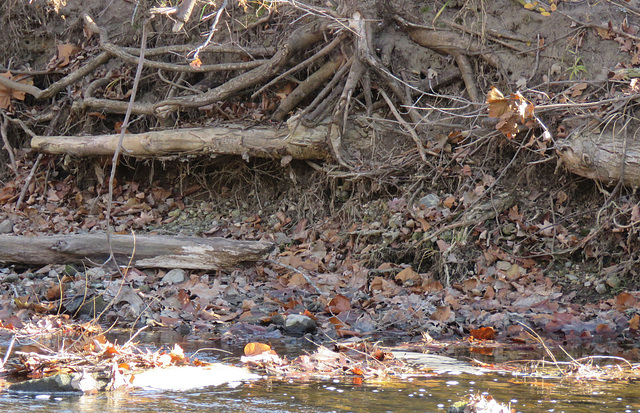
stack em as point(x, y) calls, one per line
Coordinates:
point(498, 104)
point(255, 348)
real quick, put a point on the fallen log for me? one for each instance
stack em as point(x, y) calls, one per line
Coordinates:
point(297, 141)
point(148, 251)
point(605, 157)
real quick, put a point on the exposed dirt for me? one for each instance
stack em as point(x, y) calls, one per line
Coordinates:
point(488, 232)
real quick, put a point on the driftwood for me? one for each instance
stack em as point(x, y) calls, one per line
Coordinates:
point(149, 251)
point(603, 157)
point(298, 142)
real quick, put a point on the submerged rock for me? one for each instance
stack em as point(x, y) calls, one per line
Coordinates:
point(62, 383)
point(299, 325)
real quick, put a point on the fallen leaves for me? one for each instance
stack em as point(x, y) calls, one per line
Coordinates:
point(514, 112)
point(6, 93)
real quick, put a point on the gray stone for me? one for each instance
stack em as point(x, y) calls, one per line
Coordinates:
point(299, 325)
point(613, 282)
point(429, 201)
point(6, 226)
point(174, 276)
point(61, 383)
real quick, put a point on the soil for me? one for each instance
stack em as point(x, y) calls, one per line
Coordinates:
point(487, 231)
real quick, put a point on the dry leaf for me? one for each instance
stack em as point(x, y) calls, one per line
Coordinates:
point(255, 348)
point(196, 63)
point(6, 93)
point(443, 314)
point(407, 274)
point(484, 333)
point(338, 304)
point(65, 51)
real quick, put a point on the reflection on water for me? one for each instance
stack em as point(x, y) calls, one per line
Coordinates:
point(408, 395)
point(418, 395)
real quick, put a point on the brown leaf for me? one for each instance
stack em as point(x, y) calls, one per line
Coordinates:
point(6, 93)
point(443, 314)
point(338, 304)
point(54, 292)
point(498, 104)
point(65, 51)
point(484, 333)
point(625, 300)
point(408, 274)
point(449, 202)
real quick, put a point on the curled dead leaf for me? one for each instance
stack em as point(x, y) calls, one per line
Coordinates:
point(6, 93)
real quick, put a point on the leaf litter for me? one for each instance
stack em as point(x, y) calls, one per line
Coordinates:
point(336, 275)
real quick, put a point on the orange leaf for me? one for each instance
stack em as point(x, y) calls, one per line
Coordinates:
point(484, 333)
point(449, 202)
point(111, 350)
point(337, 324)
point(196, 63)
point(356, 370)
point(254, 349)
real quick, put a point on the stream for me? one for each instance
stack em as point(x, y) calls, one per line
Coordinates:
point(432, 394)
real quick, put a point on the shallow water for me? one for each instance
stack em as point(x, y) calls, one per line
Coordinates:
point(434, 394)
point(418, 395)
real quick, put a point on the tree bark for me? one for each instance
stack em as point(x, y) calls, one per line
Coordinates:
point(148, 251)
point(603, 157)
point(298, 142)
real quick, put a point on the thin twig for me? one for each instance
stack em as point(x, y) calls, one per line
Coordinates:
point(214, 27)
point(7, 144)
point(404, 123)
point(8, 353)
point(125, 123)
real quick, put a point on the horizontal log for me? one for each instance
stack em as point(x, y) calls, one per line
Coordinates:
point(148, 251)
point(603, 156)
point(299, 142)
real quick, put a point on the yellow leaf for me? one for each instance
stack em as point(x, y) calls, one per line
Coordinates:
point(255, 348)
point(529, 6)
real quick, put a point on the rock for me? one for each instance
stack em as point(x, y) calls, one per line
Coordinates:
point(6, 226)
point(174, 276)
point(277, 319)
point(10, 278)
point(429, 201)
point(613, 282)
point(82, 305)
point(299, 325)
point(61, 383)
